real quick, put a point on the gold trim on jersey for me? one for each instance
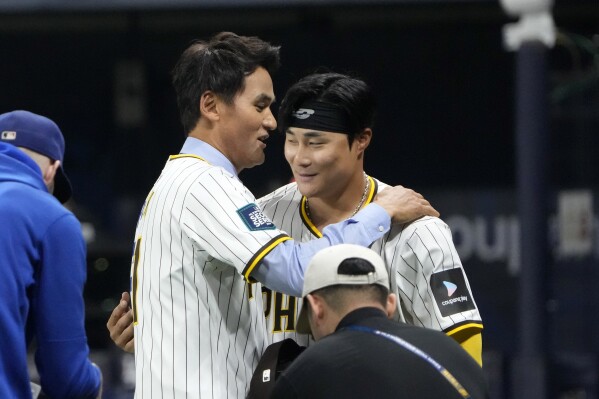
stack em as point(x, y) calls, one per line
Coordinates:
point(187, 156)
point(147, 203)
point(461, 327)
point(134, 277)
point(313, 229)
point(265, 250)
point(304, 215)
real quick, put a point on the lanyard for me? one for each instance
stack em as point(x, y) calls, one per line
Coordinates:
point(444, 372)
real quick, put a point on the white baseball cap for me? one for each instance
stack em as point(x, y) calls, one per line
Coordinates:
point(323, 271)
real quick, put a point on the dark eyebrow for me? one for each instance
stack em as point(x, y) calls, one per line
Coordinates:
point(314, 133)
point(308, 134)
point(265, 97)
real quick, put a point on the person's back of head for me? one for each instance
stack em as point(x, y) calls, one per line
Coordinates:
point(350, 95)
point(343, 298)
point(338, 280)
point(219, 65)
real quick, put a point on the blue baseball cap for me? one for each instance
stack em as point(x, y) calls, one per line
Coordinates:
point(39, 134)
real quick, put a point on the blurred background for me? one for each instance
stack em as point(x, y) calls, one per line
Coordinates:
point(445, 85)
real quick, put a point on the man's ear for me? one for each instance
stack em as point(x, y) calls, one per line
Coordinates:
point(362, 141)
point(49, 172)
point(209, 106)
point(391, 305)
point(316, 306)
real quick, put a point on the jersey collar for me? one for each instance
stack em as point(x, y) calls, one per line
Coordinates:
point(207, 152)
point(313, 229)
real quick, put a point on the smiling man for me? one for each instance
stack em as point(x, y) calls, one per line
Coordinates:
point(199, 327)
point(327, 119)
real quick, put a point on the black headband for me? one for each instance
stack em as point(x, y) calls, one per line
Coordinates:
point(320, 116)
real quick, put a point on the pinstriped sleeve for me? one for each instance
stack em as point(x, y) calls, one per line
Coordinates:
point(430, 279)
point(221, 215)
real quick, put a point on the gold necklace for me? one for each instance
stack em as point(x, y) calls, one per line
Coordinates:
point(362, 200)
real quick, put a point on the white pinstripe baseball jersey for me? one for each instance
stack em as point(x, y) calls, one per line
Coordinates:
point(424, 268)
point(199, 330)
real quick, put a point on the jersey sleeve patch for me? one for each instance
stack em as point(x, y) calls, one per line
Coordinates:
point(451, 292)
point(254, 219)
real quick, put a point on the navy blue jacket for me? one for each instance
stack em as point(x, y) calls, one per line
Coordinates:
point(43, 271)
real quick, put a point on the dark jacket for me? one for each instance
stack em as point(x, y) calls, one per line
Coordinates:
point(358, 364)
point(42, 259)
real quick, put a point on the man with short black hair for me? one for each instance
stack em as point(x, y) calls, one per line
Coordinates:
point(328, 120)
point(360, 352)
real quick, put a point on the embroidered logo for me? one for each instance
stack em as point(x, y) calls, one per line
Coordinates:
point(9, 135)
point(303, 113)
point(254, 219)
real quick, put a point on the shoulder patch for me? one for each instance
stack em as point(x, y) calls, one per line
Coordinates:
point(451, 292)
point(254, 219)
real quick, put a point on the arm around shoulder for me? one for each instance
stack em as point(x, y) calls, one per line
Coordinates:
point(282, 269)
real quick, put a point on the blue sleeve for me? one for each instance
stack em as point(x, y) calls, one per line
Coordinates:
point(282, 270)
point(62, 352)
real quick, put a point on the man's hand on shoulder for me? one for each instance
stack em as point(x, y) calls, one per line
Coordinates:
point(403, 204)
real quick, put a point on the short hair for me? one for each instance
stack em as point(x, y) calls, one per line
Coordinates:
point(220, 65)
point(337, 296)
point(352, 94)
